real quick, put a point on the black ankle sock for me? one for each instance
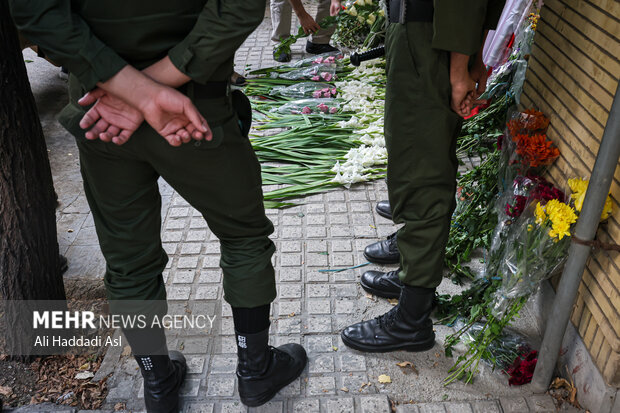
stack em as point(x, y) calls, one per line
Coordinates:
point(147, 341)
point(251, 320)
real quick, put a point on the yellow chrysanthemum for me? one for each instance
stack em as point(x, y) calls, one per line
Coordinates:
point(607, 209)
point(579, 187)
point(541, 216)
point(562, 216)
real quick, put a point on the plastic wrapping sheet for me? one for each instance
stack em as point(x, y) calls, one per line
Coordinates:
point(327, 59)
point(309, 106)
point(316, 73)
point(495, 51)
point(510, 206)
point(530, 256)
point(306, 90)
point(502, 352)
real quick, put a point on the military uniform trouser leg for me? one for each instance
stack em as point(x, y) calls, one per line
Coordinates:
point(221, 179)
point(420, 133)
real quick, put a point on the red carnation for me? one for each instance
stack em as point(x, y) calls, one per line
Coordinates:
point(522, 368)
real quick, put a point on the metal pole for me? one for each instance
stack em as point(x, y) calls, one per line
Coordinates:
point(587, 224)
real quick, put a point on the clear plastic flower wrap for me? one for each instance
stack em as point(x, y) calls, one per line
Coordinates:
point(309, 106)
point(305, 90)
point(502, 352)
point(316, 73)
point(536, 247)
point(509, 207)
point(327, 59)
point(526, 150)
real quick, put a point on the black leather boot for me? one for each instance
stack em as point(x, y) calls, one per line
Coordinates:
point(263, 370)
point(163, 376)
point(407, 326)
point(382, 284)
point(383, 252)
point(383, 208)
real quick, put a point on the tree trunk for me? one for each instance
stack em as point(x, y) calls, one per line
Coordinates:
point(29, 256)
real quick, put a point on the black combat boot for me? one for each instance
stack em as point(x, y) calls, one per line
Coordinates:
point(163, 371)
point(263, 370)
point(384, 209)
point(382, 284)
point(163, 376)
point(383, 252)
point(407, 326)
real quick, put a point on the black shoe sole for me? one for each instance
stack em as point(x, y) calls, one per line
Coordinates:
point(263, 398)
point(381, 260)
point(384, 215)
point(379, 293)
point(413, 347)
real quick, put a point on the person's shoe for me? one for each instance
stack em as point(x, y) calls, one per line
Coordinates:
point(382, 284)
point(283, 57)
point(317, 48)
point(383, 208)
point(163, 376)
point(262, 370)
point(383, 252)
point(407, 326)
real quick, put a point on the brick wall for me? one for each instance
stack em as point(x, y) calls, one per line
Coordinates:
point(572, 77)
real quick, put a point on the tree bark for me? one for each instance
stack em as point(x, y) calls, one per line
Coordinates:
point(29, 255)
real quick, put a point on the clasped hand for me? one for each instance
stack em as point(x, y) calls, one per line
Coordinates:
point(114, 118)
point(467, 84)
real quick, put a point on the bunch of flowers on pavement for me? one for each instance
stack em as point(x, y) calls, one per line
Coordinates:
point(510, 207)
point(535, 248)
point(361, 24)
point(526, 149)
point(305, 90)
point(328, 132)
point(309, 106)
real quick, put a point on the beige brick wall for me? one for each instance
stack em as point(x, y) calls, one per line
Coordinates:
point(572, 77)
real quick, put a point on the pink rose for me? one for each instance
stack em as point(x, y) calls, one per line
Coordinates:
point(323, 107)
point(326, 76)
point(318, 60)
point(333, 110)
point(315, 78)
point(316, 94)
point(306, 110)
point(334, 91)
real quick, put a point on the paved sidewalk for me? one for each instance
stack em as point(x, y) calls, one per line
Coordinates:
point(328, 231)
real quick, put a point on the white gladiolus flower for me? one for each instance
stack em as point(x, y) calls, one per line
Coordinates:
point(367, 102)
point(371, 19)
point(352, 11)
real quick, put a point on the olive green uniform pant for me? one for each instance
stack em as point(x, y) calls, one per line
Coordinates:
point(220, 178)
point(420, 133)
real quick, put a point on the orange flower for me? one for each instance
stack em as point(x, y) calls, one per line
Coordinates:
point(528, 122)
point(536, 150)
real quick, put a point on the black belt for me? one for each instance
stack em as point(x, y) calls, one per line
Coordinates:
point(415, 11)
point(209, 90)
